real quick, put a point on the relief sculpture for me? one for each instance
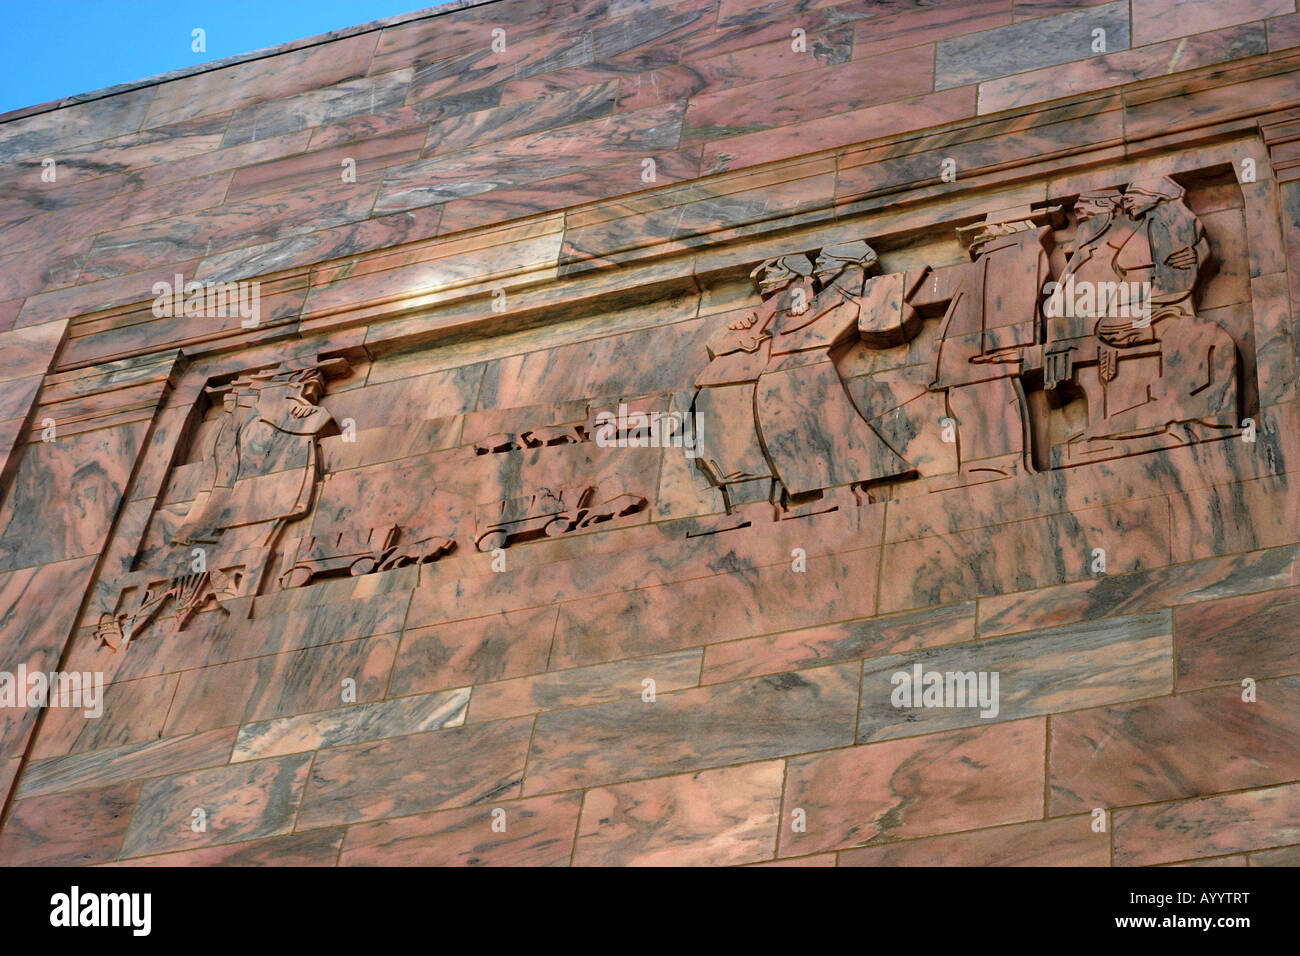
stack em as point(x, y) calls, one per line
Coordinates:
point(1167, 379)
point(840, 379)
point(771, 403)
point(1115, 340)
point(253, 524)
point(262, 473)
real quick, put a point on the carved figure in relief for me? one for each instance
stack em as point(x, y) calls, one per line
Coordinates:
point(263, 475)
point(265, 463)
point(1142, 371)
point(771, 403)
point(263, 472)
point(796, 400)
point(811, 432)
point(732, 452)
point(990, 323)
point(1150, 371)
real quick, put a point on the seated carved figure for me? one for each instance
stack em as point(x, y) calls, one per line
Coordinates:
point(1196, 388)
point(1118, 332)
point(1145, 361)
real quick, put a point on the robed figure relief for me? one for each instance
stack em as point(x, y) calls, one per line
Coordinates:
point(991, 322)
point(771, 405)
point(1115, 339)
point(265, 462)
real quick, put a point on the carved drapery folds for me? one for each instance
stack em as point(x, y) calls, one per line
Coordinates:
point(1114, 339)
point(1168, 379)
point(770, 401)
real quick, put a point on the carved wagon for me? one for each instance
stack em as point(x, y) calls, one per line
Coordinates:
point(547, 514)
point(379, 549)
point(546, 436)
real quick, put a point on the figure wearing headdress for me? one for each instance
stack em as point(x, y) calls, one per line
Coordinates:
point(812, 433)
point(262, 472)
point(989, 329)
point(724, 399)
point(1143, 369)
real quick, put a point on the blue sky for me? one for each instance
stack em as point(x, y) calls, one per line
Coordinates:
point(55, 48)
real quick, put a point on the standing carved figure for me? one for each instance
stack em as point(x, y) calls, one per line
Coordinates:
point(724, 397)
point(990, 327)
point(265, 461)
point(813, 434)
point(262, 472)
point(771, 403)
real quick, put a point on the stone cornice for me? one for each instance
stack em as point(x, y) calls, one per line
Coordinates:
point(682, 235)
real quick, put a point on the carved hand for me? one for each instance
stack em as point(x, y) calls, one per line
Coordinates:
point(1058, 368)
point(1184, 258)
